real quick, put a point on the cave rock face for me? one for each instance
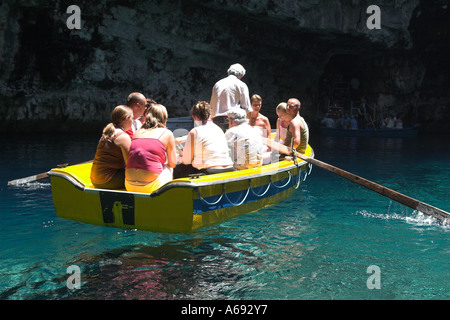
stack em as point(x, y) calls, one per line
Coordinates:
point(174, 51)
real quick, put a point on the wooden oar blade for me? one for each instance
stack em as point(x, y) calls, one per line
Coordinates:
point(434, 212)
point(37, 177)
point(29, 179)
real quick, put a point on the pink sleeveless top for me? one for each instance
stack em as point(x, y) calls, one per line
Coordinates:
point(147, 154)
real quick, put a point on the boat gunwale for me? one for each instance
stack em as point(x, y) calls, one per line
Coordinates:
point(192, 183)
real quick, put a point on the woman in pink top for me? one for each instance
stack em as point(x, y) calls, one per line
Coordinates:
point(152, 154)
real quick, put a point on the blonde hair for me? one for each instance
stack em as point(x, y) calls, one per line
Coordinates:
point(119, 114)
point(156, 117)
point(282, 107)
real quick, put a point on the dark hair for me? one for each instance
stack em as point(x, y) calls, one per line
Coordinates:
point(201, 110)
point(149, 102)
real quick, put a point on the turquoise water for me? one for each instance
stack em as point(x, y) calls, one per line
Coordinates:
point(318, 244)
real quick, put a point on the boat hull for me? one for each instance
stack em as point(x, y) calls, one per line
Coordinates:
point(182, 205)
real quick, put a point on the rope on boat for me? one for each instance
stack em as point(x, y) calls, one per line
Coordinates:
point(206, 202)
point(262, 194)
point(295, 158)
point(310, 166)
point(300, 179)
point(281, 187)
point(231, 202)
point(307, 172)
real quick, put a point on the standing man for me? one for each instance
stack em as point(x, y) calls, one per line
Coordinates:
point(230, 92)
point(297, 135)
point(136, 101)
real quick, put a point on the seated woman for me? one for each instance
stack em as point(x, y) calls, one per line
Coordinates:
point(282, 122)
point(108, 168)
point(152, 153)
point(206, 149)
point(244, 141)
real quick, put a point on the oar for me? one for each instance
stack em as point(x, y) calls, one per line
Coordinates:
point(37, 177)
point(392, 194)
point(373, 124)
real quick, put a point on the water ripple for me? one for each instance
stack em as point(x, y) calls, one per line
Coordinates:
point(417, 218)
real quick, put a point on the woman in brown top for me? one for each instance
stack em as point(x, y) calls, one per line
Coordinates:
point(108, 169)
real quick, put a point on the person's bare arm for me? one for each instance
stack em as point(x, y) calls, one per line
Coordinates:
point(188, 152)
point(295, 130)
point(124, 142)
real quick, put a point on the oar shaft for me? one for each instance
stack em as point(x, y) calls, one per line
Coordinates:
point(387, 192)
point(392, 194)
point(36, 177)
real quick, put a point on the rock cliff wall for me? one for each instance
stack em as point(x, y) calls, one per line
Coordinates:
point(56, 78)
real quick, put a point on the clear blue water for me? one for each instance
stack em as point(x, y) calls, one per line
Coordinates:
point(318, 244)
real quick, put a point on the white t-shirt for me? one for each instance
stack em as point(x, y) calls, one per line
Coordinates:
point(210, 147)
point(245, 146)
point(136, 125)
point(227, 93)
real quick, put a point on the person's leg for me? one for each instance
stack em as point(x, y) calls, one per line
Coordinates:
point(117, 182)
point(184, 170)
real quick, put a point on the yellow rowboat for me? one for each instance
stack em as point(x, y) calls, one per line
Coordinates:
point(182, 205)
